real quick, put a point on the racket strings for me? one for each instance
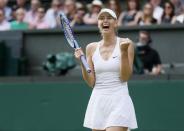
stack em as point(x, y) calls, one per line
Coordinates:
point(68, 33)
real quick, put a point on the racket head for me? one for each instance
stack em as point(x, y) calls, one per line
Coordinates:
point(67, 30)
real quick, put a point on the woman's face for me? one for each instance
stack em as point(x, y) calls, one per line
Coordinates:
point(148, 10)
point(20, 14)
point(112, 5)
point(106, 23)
point(41, 12)
point(168, 8)
point(132, 4)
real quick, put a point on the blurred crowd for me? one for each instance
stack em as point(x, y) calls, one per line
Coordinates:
point(36, 16)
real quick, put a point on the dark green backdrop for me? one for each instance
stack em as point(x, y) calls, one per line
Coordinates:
point(60, 106)
point(27, 50)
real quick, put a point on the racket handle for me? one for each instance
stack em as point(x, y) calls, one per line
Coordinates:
point(85, 64)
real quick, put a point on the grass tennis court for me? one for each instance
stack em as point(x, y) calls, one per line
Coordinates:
point(60, 106)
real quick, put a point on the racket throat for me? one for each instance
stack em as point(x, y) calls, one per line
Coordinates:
point(76, 44)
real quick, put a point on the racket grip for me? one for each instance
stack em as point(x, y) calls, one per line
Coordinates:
point(85, 64)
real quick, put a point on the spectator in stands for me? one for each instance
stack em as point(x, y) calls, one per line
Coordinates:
point(179, 11)
point(169, 13)
point(147, 16)
point(91, 17)
point(178, 6)
point(21, 4)
point(7, 10)
point(148, 56)
point(19, 22)
point(40, 22)
point(70, 9)
point(157, 9)
point(179, 19)
point(13, 14)
point(128, 17)
point(115, 6)
point(4, 24)
point(78, 18)
point(31, 15)
point(57, 6)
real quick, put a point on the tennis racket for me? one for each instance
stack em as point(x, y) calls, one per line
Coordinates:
point(70, 38)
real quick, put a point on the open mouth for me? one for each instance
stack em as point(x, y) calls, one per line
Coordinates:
point(105, 27)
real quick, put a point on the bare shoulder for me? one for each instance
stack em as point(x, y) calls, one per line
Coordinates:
point(139, 13)
point(91, 47)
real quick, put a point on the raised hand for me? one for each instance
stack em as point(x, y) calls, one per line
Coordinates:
point(125, 44)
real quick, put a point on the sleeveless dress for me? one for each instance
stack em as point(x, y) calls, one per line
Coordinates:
point(128, 18)
point(110, 103)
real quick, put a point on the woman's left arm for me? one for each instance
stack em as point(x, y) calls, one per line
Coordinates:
point(127, 58)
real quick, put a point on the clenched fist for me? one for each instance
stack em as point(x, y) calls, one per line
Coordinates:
point(125, 44)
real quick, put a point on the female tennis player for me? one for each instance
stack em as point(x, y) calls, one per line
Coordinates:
point(110, 107)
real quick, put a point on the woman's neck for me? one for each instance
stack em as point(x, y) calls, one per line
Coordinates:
point(167, 15)
point(146, 17)
point(132, 10)
point(109, 39)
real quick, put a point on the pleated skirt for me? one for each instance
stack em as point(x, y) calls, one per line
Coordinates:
point(107, 108)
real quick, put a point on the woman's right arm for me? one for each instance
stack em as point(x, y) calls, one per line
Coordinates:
point(88, 77)
point(136, 19)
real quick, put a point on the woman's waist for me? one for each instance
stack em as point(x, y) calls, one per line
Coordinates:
point(110, 83)
point(111, 90)
point(109, 80)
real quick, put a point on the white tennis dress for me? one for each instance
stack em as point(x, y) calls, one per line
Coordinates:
point(110, 103)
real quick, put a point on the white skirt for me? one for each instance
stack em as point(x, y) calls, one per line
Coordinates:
point(106, 109)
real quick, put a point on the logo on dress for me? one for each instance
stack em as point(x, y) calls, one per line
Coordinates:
point(114, 57)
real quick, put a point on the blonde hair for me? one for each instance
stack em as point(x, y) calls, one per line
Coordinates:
point(20, 10)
